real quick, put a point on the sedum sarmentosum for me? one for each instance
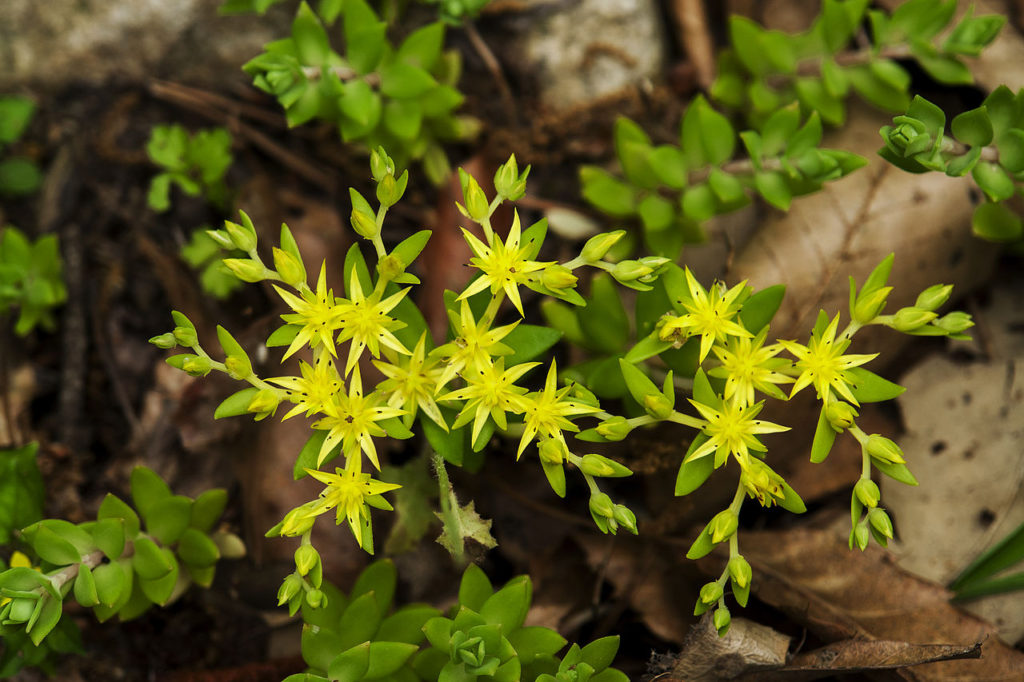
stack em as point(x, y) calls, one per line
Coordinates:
point(120, 564)
point(987, 142)
point(403, 97)
point(712, 341)
point(457, 394)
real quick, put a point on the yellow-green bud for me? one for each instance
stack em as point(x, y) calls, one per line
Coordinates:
point(264, 402)
point(630, 270)
point(222, 238)
point(881, 522)
point(290, 268)
point(164, 341)
point(291, 586)
point(197, 366)
point(615, 428)
point(884, 449)
point(658, 406)
point(867, 492)
point(552, 451)
point(722, 619)
point(602, 467)
point(840, 415)
point(740, 571)
point(246, 269)
point(909, 319)
point(390, 267)
point(241, 237)
point(934, 296)
point(476, 205)
point(869, 305)
point(238, 367)
point(390, 190)
point(297, 522)
point(625, 518)
point(506, 179)
point(601, 505)
point(306, 559)
point(598, 246)
point(860, 537)
point(955, 322)
point(185, 336)
point(364, 225)
point(557, 277)
point(656, 264)
point(315, 598)
point(380, 164)
point(584, 395)
point(711, 592)
point(723, 526)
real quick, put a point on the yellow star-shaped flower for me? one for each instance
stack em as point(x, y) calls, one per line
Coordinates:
point(314, 389)
point(351, 419)
point(350, 491)
point(316, 313)
point(365, 320)
point(413, 383)
point(491, 392)
point(747, 364)
point(474, 345)
point(732, 429)
point(504, 266)
point(822, 363)
point(547, 411)
point(709, 313)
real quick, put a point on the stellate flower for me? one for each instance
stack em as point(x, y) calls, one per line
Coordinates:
point(412, 384)
point(732, 429)
point(822, 363)
point(351, 419)
point(747, 364)
point(352, 493)
point(504, 266)
point(547, 410)
point(365, 320)
point(314, 389)
point(491, 391)
point(709, 313)
point(473, 346)
point(317, 314)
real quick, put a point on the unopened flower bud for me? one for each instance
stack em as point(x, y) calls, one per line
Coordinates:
point(601, 505)
point(658, 406)
point(164, 341)
point(222, 238)
point(246, 269)
point(364, 225)
point(557, 277)
point(306, 559)
point(241, 237)
point(711, 592)
point(722, 619)
point(955, 322)
point(197, 366)
point(390, 190)
point(390, 267)
point(740, 571)
point(602, 467)
point(884, 449)
point(597, 246)
point(290, 268)
point(869, 305)
point(840, 415)
point(264, 402)
point(315, 598)
point(625, 518)
point(552, 451)
point(867, 492)
point(289, 588)
point(909, 319)
point(380, 164)
point(723, 526)
point(185, 336)
point(881, 522)
point(934, 296)
point(297, 521)
point(861, 535)
point(476, 203)
point(656, 263)
point(615, 428)
point(238, 367)
point(507, 181)
point(630, 270)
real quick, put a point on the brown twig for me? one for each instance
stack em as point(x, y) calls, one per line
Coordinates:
point(695, 37)
point(492, 64)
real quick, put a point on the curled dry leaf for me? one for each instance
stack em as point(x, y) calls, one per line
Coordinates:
point(746, 647)
point(851, 225)
point(813, 577)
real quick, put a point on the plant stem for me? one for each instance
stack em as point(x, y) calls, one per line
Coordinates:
point(448, 503)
